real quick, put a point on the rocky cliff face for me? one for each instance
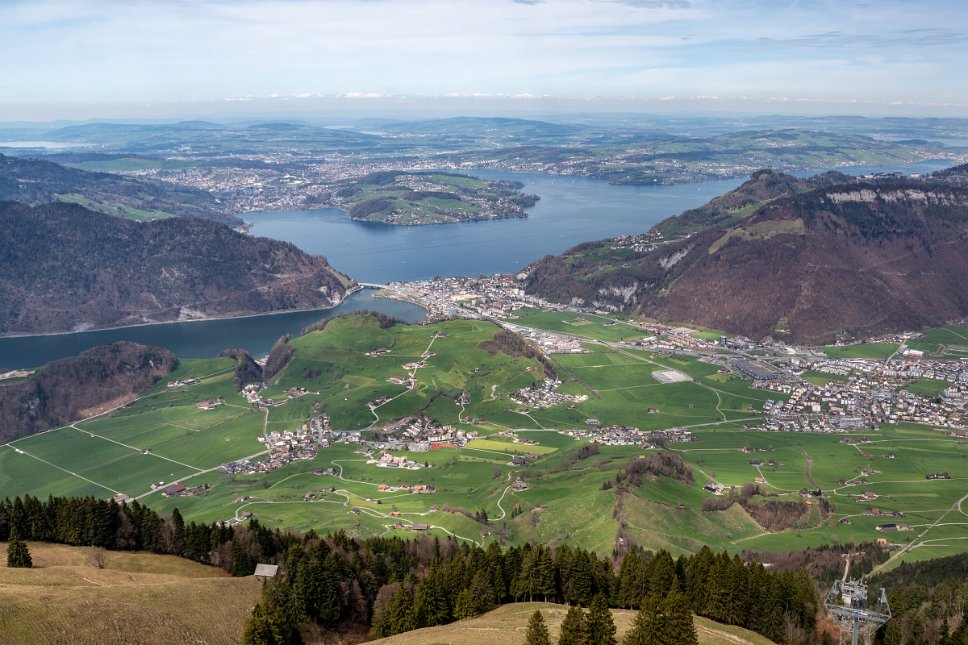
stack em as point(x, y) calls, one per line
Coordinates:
point(806, 260)
point(65, 268)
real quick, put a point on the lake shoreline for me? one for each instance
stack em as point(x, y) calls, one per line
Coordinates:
point(347, 294)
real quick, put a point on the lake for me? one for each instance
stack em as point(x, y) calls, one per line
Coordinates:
point(198, 339)
point(572, 210)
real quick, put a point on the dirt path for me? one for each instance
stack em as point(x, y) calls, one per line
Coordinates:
point(920, 538)
point(807, 470)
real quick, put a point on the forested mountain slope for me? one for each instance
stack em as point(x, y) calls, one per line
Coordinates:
point(66, 268)
point(73, 388)
point(806, 260)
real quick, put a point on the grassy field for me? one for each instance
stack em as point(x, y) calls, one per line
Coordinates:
point(876, 351)
point(129, 212)
point(950, 341)
point(565, 502)
point(575, 324)
point(136, 598)
point(507, 625)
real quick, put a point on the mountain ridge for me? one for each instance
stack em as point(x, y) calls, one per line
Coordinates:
point(66, 268)
point(806, 260)
point(38, 181)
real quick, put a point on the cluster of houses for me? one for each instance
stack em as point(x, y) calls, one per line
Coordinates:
point(386, 460)
point(210, 404)
point(407, 488)
point(480, 297)
point(421, 434)
point(549, 342)
point(868, 396)
point(888, 528)
point(621, 435)
point(181, 383)
point(545, 395)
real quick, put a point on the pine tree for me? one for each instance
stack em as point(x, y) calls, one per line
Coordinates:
point(647, 625)
point(264, 627)
point(537, 631)
point(677, 623)
point(464, 605)
point(573, 627)
point(242, 564)
point(599, 626)
point(18, 555)
point(663, 574)
point(580, 580)
point(275, 620)
point(178, 532)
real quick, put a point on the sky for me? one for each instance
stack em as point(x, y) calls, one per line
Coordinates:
point(82, 59)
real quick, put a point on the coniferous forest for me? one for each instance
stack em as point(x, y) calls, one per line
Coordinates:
point(385, 586)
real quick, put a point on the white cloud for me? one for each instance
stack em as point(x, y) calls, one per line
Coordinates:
point(119, 51)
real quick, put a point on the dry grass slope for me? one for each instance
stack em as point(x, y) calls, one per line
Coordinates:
point(138, 598)
point(507, 626)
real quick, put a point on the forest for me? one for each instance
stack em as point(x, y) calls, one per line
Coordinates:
point(380, 586)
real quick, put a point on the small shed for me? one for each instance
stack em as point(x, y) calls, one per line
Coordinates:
point(266, 570)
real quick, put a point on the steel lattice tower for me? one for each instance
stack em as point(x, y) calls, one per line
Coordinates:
point(857, 615)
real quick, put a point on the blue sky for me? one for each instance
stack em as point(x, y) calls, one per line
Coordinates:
point(143, 58)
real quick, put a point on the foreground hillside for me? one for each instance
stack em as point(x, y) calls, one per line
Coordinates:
point(138, 598)
point(507, 626)
point(66, 268)
point(806, 260)
point(35, 181)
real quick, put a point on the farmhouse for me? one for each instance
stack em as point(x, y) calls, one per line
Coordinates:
point(890, 528)
point(174, 490)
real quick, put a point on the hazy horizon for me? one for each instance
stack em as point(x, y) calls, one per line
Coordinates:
point(167, 60)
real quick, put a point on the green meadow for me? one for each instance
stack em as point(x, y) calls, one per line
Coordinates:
point(164, 437)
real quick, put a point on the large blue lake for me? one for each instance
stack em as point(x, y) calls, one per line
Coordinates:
point(572, 210)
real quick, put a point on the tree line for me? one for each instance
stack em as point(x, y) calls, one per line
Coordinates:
point(388, 585)
point(394, 585)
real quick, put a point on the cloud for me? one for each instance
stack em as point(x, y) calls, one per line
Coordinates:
point(924, 37)
point(652, 4)
point(154, 51)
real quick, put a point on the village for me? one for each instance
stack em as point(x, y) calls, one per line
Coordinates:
point(868, 392)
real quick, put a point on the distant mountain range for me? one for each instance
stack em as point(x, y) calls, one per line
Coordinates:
point(806, 260)
point(64, 268)
point(35, 181)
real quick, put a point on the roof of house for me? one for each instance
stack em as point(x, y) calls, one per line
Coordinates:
point(266, 570)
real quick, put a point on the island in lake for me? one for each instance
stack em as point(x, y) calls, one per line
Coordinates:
point(413, 198)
